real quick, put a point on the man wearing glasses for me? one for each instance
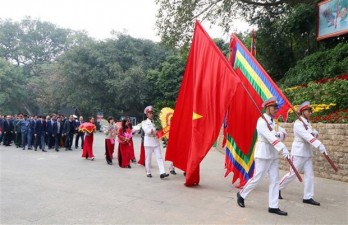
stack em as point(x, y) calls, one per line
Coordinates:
point(301, 153)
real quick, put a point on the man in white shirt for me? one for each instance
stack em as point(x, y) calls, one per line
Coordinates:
point(305, 137)
point(266, 158)
point(151, 144)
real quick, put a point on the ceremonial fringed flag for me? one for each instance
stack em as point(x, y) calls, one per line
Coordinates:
point(241, 120)
point(209, 83)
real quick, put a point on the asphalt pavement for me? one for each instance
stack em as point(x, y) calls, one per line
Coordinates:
point(62, 188)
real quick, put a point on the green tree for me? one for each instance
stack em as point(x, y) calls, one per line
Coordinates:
point(319, 65)
point(175, 18)
point(167, 80)
point(11, 86)
point(110, 76)
point(29, 43)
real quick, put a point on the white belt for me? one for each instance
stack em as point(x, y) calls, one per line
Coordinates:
point(297, 139)
point(264, 141)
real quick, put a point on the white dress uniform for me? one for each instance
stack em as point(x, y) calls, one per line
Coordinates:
point(301, 155)
point(151, 144)
point(266, 160)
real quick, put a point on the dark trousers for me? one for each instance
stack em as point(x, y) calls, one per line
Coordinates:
point(57, 138)
point(24, 139)
point(50, 141)
point(32, 139)
point(78, 135)
point(7, 138)
point(40, 141)
point(69, 140)
point(18, 139)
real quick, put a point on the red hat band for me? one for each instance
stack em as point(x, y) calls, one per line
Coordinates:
point(270, 103)
point(304, 108)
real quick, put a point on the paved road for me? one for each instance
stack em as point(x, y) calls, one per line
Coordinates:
point(62, 188)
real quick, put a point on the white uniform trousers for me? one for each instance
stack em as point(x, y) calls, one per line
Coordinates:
point(148, 158)
point(262, 167)
point(301, 164)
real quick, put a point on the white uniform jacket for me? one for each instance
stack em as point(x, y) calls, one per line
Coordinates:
point(149, 139)
point(267, 145)
point(304, 139)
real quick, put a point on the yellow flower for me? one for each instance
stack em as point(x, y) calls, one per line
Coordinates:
point(318, 107)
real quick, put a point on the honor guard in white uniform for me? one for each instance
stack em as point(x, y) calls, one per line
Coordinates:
point(301, 153)
point(266, 157)
point(151, 144)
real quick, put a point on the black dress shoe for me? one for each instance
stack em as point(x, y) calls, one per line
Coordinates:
point(280, 195)
point(277, 211)
point(149, 175)
point(163, 175)
point(311, 201)
point(173, 172)
point(240, 200)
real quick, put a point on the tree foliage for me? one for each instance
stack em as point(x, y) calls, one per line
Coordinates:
point(45, 68)
point(11, 83)
point(322, 64)
point(167, 79)
point(29, 43)
point(175, 18)
point(111, 76)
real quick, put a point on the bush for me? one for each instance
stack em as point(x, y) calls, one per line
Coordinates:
point(329, 100)
point(334, 91)
point(319, 65)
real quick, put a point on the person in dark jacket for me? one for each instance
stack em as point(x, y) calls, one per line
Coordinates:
point(7, 130)
point(24, 125)
point(40, 133)
point(57, 132)
point(68, 132)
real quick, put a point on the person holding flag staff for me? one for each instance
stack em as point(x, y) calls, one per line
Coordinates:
point(266, 157)
point(151, 144)
point(301, 153)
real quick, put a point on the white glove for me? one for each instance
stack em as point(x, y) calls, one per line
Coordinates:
point(285, 153)
point(322, 149)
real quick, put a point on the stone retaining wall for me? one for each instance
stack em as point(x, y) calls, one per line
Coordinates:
point(335, 139)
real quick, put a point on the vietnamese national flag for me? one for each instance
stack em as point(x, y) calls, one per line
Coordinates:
point(208, 85)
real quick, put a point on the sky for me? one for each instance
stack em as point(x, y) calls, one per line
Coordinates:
point(98, 17)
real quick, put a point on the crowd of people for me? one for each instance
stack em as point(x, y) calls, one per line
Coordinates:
point(57, 132)
point(43, 132)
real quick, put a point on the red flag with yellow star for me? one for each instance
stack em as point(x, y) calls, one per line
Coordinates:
point(208, 85)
